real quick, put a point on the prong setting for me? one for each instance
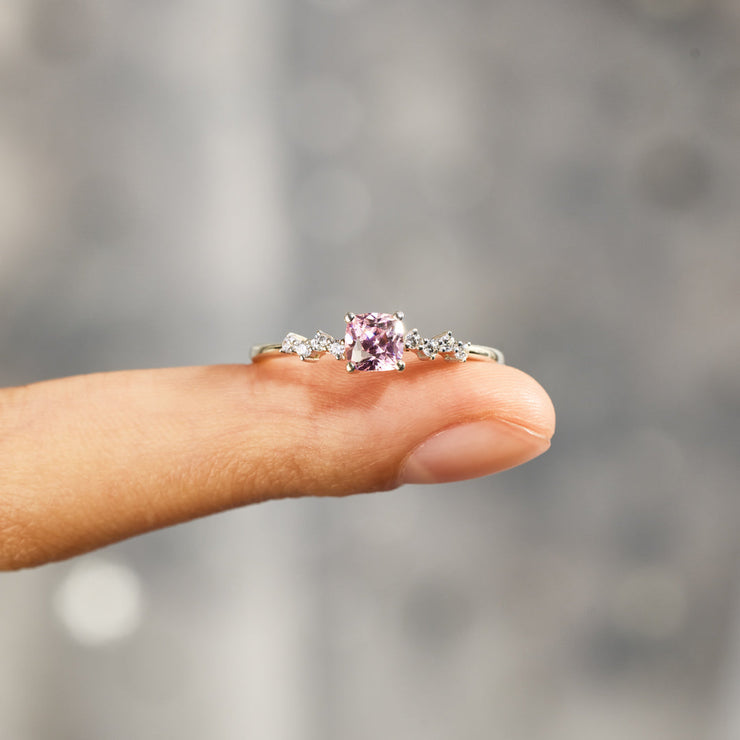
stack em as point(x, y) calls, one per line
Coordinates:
point(377, 341)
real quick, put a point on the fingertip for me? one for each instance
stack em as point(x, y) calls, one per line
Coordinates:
point(530, 404)
point(471, 450)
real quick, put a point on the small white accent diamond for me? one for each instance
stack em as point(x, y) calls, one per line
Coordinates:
point(303, 350)
point(337, 349)
point(289, 343)
point(413, 339)
point(446, 342)
point(461, 351)
point(429, 348)
point(320, 341)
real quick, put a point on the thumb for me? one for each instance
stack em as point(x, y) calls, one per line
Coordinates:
point(90, 460)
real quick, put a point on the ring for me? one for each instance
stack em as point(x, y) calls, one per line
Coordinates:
point(377, 341)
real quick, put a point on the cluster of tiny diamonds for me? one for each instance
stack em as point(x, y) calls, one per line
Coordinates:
point(312, 348)
point(444, 345)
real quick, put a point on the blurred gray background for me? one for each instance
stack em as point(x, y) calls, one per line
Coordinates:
point(560, 178)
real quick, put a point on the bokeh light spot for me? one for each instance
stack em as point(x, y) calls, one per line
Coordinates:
point(99, 601)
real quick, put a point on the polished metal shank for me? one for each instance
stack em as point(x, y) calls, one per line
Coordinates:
point(475, 352)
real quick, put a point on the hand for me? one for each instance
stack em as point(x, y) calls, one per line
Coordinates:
point(93, 459)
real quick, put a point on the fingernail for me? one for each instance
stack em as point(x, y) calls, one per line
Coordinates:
point(471, 451)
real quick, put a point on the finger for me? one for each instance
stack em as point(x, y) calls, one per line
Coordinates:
point(90, 460)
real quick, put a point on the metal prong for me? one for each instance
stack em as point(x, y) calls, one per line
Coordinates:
point(349, 316)
point(400, 366)
point(399, 315)
point(351, 367)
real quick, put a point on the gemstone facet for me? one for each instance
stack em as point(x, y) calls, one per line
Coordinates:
point(374, 341)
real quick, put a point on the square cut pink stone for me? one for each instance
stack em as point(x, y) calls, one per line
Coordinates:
point(374, 341)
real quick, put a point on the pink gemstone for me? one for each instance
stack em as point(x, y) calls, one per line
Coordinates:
point(374, 341)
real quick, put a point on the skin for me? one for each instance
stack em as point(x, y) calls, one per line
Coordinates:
point(90, 460)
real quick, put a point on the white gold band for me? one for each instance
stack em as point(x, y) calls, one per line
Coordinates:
point(474, 352)
point(377, 341)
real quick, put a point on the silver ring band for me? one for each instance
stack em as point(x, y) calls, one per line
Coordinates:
point(377, 341)
point(475, 352)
